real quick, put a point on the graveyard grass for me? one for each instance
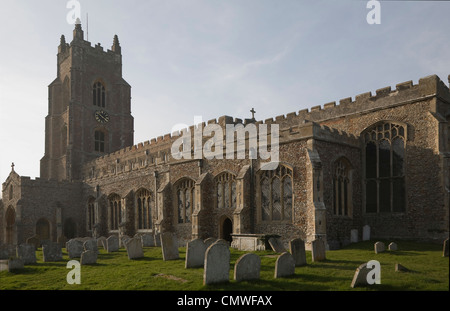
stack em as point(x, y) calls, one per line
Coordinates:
point(429, 271)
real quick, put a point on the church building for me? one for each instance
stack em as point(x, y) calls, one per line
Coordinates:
point(380, 160)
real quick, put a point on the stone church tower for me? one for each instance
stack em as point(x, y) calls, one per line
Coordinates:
point(89, 111)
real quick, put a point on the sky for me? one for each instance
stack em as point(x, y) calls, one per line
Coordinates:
point(209, 58)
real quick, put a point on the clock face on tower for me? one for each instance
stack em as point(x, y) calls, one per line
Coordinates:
point(101, 116)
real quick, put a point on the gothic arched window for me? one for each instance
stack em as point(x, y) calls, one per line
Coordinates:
point(144, 209)
point(226, 190)
point(384, 155)
point(342, 189)
point(276, 193)
point(185, 199)
point(91, 214)
point(115, 211)
point(99, 141)
point(98, 95)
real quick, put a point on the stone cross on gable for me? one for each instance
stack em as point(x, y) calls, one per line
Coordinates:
point(253, 113)
point(12, 166)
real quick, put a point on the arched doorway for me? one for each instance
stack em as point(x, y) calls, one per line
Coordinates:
point(10, 221)
point(226, 229)
point(43, 229)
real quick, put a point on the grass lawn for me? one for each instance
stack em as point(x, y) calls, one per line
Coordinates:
point(429, 271)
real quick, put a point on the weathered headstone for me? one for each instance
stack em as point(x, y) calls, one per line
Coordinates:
point(217, 264)
point(284, 266)
point(27, 253)
point(148, 240)
point(169, 246)
point(318, 250)
point(277, 245)
point(368, 273)
point(366, 233)
point(88, 257)
point(134, 248)
point(297, 249)
point(195, 253)
point(354, 236)
point(209, 242)
point(392, 246)
point(15, 264)
point(400, 268)
point(157, 239)
point(35, 241)
point(445, 248)
point(101, 242)
point(90, 245)
point(379, 247)
point(51, 251)
point(247, 267)
point(112, 244)
point(74, 248)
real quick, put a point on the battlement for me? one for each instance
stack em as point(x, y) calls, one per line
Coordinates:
point(404, 93)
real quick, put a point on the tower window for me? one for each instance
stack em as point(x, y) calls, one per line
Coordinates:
point(99, 141)
point(98, 95)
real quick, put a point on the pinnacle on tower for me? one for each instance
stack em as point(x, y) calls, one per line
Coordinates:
point(78, 32)
point(116, 45)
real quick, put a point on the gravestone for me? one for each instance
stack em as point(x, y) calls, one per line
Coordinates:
point(101, 242)
point(247, 267)
point(379, 247)
point(360, 276)
point(90, 245)
point(27, 253)
point(74, 248)
point(285, 265)
point(15, 264)
point(354, 236)
point(366, 233)
point(123, 240)
point(392, 246)
point(318, 250)
point(195, 253)
point(169, 246)
point(88, 257)
point(157, 239)
point(148, 240)
point(297, 249)
point(445, 248)
point(112, 244)
point(400, 268)
point(134, 248)
point(217, 264)
point(209, 242)
point(35, 241)
point(51, 251)
point(7, 251)
point(277, 245)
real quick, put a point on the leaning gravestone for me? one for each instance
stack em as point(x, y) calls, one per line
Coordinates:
point(90, 245)
point(101, 242)
point(88, 257)
point(277, 245)
point(35, 241)
point(247, 267)
point(148, 240)
point(112, 244)
point(134, 248)
point(360, 276)
point(392, 246)
point(217, 264)
point(318, 250)
point(51, 252)
point(445, 248)
point(379, 247)
point(195, 253)
point(74, 248)
point(27, 253)
point(297, 249)
point(169, 246)
point(285, 265)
